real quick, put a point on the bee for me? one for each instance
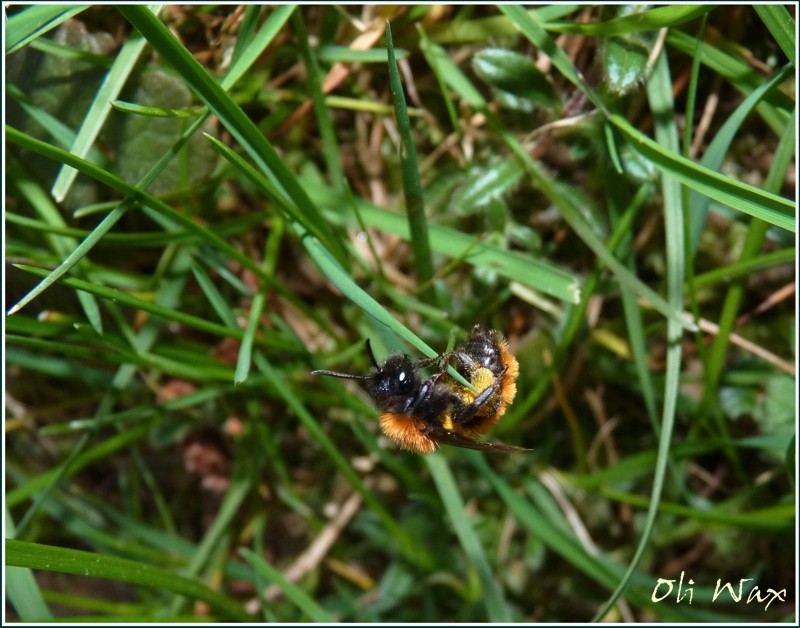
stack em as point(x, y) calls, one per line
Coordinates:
point(421, 413)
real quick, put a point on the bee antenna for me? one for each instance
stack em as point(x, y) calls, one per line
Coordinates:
point(372, 356)
point(340, 375)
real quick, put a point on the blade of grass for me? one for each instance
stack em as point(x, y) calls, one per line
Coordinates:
point(486, 28)
point(774, 518)
point(190, 400)
point(781, 26)
point(292, 592)
point(19, 494)
point(774, 109)
point(514, 265)
point(735, 194)
point(213, 295)
point(243, 360)
point(240, 487)
point(745, 267)
point(156, 239)
point(235, 120)
point(99, 110)
point(718, 148)
point(497, 610)
point(412, 184)
point(22, 590)
point(324, 123)
point(167, 313)
point(34, 21)
point(63, 560)
point(271, 246)
point(652, 19)
point(61, 246)
point(756, 232)
point(265, 35)
point(135, 195)
point(432, 52)
point(659, 93)
point(61, 133)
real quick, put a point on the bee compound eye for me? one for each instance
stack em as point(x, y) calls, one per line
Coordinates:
point(405, 381)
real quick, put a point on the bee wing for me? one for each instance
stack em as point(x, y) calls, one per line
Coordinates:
point(441, 435)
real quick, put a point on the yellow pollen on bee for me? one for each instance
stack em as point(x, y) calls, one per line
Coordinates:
point(481, 380)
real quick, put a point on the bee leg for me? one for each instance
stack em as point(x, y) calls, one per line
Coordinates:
point(441, 361)
point(426, 362)
point(467, 364)
point(424, 393)
point(465, 414)
point(429, 400)
point(463, 364)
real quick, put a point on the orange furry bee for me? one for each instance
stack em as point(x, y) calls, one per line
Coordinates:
point(421, 413)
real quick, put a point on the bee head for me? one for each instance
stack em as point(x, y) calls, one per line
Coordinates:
point(394, 381)
point(391, 384)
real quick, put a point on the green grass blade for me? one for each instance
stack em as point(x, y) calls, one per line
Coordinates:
point(652, 19)
point(44, 207)
point(34, 21)
point(412, 183)
point(113, 294)
point(660, 96)
point(756, 232)
point(735, 194)
point(214, 296)
point(718, 148)
point(736, 69)
point(100, 109)
point(772, 519)
point(234, 119)
point(514, 265)
point(292, 592)
point(63, 560)
point(352, 291)
point(244, 358)
point(247, 55)
point(432, 54)
point(781, 25)
point(497, 610)
point(30, 487)
point(22, 590)
point(237, 492)
point(330, 149)
point(532, 27)
point(135, 194)
point(745, 267)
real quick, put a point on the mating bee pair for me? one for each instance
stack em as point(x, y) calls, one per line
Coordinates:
point(419, 413)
